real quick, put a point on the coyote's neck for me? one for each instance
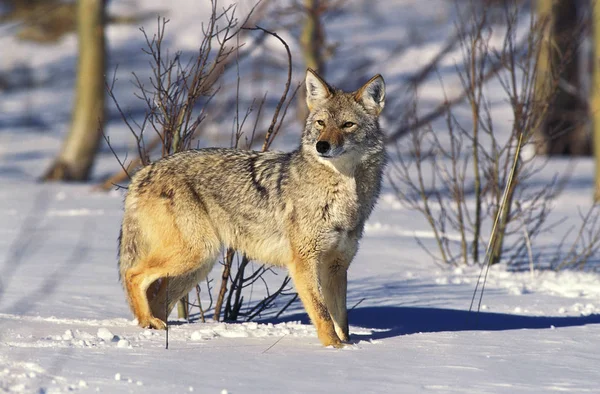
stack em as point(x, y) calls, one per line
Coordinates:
point(345, 165)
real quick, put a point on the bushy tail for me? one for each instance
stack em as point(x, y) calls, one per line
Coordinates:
point(129, 245)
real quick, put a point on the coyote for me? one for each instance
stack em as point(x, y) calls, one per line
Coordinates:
point(304, 210)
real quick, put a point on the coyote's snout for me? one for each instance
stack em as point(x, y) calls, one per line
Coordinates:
point(304, 210)
point(331, 140)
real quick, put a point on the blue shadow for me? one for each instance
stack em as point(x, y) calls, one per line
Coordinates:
point(396, 321)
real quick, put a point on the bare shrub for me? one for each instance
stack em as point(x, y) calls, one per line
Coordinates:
point(230, 298)
point(456, 178)
point(471, 179)
point(177, 96)
point(584, 246)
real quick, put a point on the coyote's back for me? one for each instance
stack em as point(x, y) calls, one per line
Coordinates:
point(304, 210)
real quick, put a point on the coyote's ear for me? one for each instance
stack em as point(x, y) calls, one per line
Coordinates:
point(372, 95)
point(316, 89)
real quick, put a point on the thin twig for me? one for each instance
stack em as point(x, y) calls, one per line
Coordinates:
point(493, 237)
point(167, 314)
point(269, 137)
point(290, 302)
point(358, 303)
point(270, 347)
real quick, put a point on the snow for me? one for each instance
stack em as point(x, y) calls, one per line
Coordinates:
point(65, 325)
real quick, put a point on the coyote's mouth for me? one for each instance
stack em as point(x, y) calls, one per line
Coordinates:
point(332, 153)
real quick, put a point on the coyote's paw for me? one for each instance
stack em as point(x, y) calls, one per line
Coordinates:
point(332, 341)
point(337, 344)
point(343, 334)
point(153, 322)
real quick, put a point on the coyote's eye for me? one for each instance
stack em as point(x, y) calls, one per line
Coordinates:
point(347, 125)
point(320, 123)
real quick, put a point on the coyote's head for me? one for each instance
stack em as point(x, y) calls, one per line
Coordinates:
point(343, 125)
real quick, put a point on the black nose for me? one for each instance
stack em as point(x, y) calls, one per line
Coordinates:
point(323, 146)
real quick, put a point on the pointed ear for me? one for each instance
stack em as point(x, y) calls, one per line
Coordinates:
point(316, 89)
point(372, 95)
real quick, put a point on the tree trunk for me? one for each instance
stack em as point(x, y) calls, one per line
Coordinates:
point(595, 94)
point(74, 163)
point(312, 42)
point(563, 131)
point(182, 307)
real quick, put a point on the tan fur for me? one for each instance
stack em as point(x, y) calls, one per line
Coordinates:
point(332, 135)
point(304, 210)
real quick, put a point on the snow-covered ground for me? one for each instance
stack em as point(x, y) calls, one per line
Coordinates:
point(65, 325)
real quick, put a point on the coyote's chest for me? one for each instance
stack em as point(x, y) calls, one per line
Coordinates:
point(340, 206)
point(338, 218)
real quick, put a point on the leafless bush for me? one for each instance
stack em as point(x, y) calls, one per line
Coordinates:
point(457, 178)
point(472, 179)
point(584, 245)
point(177, 93)
point(235, 307)
point(231, 297)
point(177, 96)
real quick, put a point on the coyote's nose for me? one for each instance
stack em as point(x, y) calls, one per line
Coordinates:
point(323, 146)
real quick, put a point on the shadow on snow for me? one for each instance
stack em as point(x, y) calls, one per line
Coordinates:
point(391, 321)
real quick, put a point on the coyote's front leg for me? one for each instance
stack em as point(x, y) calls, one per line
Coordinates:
point(334, 283)
point(305, 276)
